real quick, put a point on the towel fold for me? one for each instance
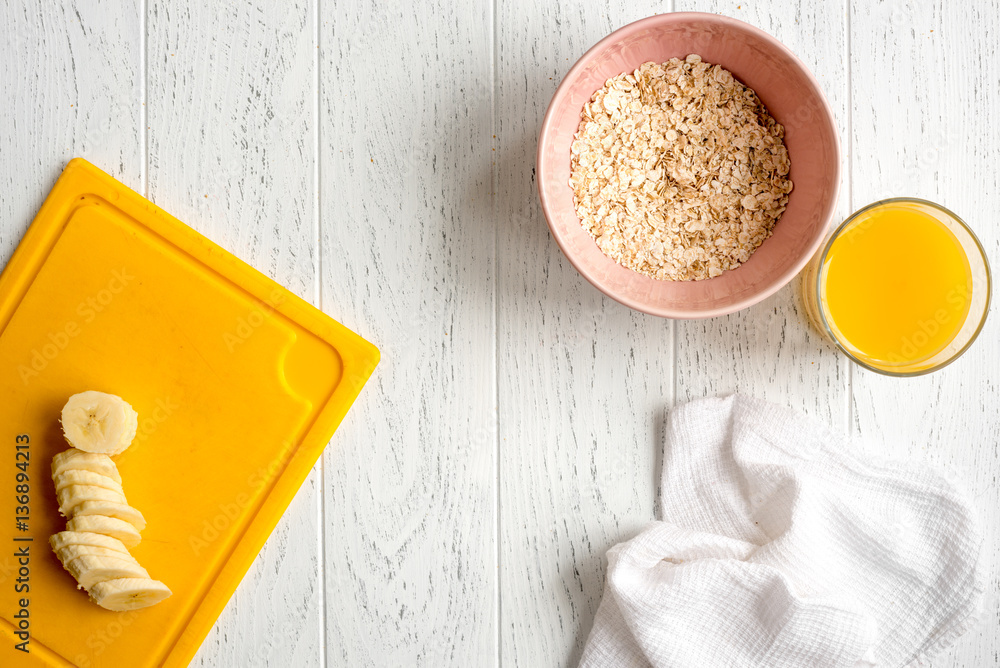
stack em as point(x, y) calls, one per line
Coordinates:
point(781, 547)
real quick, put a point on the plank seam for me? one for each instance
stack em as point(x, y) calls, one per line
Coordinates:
point(849, 408)
point(143, 96)
point(494, 183)
point(673, 347)
point(318, 291)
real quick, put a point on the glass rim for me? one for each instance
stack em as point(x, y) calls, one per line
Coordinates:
point(840, 230)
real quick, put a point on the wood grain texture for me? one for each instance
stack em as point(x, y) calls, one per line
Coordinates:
point(770, 350)
point(230, 115)
point(512, 431)
point(584, 381)
point(69, 85)
point(408, 259)
point(925, 117)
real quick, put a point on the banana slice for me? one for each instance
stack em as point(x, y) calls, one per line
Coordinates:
point(78, 460)
point(128, 593)
point(85, 538)
point(98, 422)
point(70, 552)
point(121, 511)
point(81, 477)
point(90, 569)
point(71, 497)
point(107, 526)
point(102, 526)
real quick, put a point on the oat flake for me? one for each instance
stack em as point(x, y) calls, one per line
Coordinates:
point(678, 170)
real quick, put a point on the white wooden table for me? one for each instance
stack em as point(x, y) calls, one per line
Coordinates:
point(378, 160)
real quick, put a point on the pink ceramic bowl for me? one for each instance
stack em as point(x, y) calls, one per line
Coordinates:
point(790, 93)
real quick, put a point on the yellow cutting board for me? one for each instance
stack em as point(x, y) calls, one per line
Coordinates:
point(238, 383)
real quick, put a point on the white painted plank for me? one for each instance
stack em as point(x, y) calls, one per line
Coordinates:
point(230, 115)
point(925, 117)
point(411, 226)
point(770, 350)
point(69, 86)
point(584, 381)
point(408, 253)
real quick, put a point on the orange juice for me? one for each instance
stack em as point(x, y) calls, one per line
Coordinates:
point(895, 286)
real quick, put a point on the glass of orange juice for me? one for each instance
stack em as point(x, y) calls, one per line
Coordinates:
point(902, 287)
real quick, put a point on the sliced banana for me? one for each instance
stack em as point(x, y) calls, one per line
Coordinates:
point(121, 511)
point(78, 460)
point(66, 538)
point(98, 422)
point(89, 569)
point(71, 497)
point(81, 477)
point(106, 526)
point(128, 593)
point(102, 525)
point(70, 552)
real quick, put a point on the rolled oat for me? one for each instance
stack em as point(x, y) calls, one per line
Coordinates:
point(678, 170)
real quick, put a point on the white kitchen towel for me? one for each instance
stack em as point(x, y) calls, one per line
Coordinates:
point(779, 547)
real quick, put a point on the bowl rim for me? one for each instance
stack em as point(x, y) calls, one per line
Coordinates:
point(666, 312)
